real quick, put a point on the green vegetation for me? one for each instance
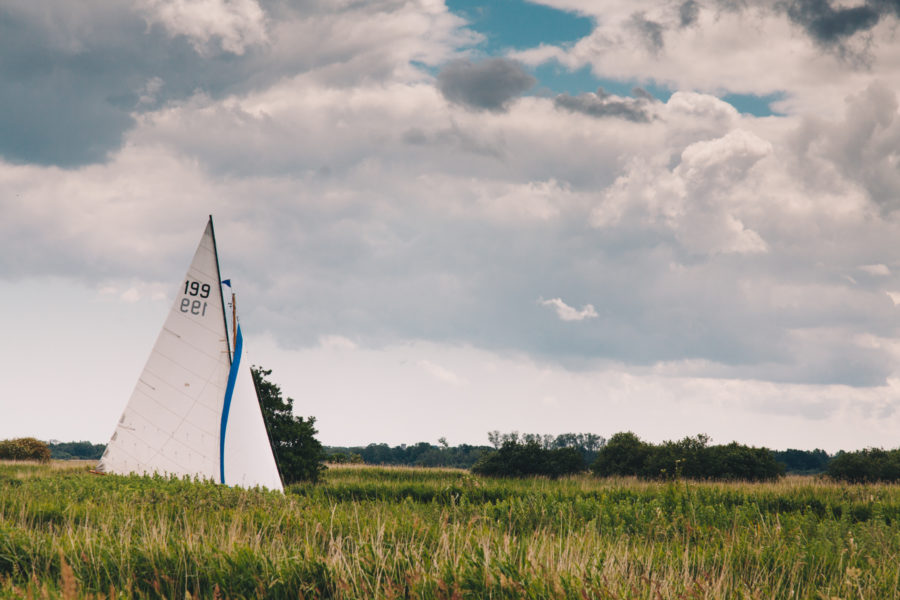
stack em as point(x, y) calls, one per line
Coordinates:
point(803, 462)
point(422, 454)
point(297, 451)
point(871, 464)
point(522, 460)
point(624, 454)
point(26, 448)
point(588, 445)
point(76, 450)
point(463, 456)
point(692, 458)
point(376, 533)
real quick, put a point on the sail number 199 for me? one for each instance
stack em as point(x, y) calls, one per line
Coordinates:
point(195, 306)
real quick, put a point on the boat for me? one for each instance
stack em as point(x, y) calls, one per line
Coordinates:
point(194, 411)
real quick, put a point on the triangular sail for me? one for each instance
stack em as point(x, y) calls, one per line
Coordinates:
point(248, 458)
point(170, 424)
point(173, 423)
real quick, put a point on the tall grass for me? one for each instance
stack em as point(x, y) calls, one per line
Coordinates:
point(417, 533)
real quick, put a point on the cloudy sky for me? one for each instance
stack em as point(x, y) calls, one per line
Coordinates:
point(444, 218)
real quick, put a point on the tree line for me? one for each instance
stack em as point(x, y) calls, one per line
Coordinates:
point(689, 458)
point(514, 454)
point(301, 457)
point(463, 456)
point(587, 445)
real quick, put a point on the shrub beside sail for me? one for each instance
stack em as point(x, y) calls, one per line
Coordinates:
point(173, 423)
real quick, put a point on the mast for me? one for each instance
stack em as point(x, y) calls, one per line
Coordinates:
point(219, 279)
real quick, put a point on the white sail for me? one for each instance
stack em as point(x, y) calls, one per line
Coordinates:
point(248, 458)
point(174, 421)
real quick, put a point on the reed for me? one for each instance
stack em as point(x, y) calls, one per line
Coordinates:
point(427, 533)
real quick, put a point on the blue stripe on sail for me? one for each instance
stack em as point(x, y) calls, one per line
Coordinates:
point(229, 391)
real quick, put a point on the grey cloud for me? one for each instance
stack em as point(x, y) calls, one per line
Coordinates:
point(479, 293)
point(886, 5)
point(651, 31)
point(488, 85)
point(863, 147)
point(732, 5)
point(415, 136)
point(828, 25)
point(64, 99)
point(828, 22)
point(603, 104)
point(375, 255)
point(468, 142)
point(409, 270)
point(72, 86)
point(688, 13)
point(75, 74)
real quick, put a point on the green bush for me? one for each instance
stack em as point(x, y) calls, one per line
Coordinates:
point(869, 465)
point(691, 458)
point(77, 450)
point(623, 454)
point(514, 459)
point(24, 449)
point(803, 462)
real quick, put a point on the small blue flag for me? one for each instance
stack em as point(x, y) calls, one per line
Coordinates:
point(226, 282)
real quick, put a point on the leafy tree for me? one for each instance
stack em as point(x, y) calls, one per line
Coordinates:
point(623, 454)
point(587, 444)
point(869, 465)
point(298, 453)
point(692, 458)
point(736, 461)
point(76, 450)
point(515, 459)
point(497, 439)
point(422, 454)
point(25, 449)
point(343, 458)
point(804, 462)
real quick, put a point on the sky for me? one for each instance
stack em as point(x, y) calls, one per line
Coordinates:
point(447, 218)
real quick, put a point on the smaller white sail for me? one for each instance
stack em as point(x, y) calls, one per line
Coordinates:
point(248, 460)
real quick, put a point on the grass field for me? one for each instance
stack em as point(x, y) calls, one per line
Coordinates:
point(430, 533)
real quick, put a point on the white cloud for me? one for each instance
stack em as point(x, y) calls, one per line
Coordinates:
point(745, 48)
point(337, 342)
point(700, 200)
point(131, 295)
point(878, 270)
point(237, 24)
point(150, 90)
point(567, 313)
point(441, 373)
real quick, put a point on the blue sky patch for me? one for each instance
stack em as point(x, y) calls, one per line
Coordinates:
point(758, 106)
point(517, 24)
